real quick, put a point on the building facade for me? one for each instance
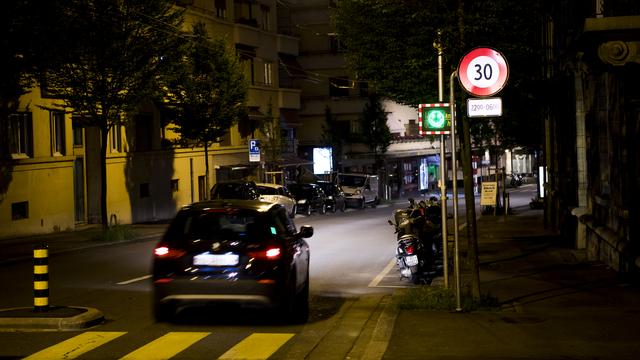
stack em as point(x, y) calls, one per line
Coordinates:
point(53, 182)
point(592, 152)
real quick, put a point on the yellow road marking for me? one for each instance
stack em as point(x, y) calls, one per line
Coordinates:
point(256, 346)
point(76, 346)
point(166, 346)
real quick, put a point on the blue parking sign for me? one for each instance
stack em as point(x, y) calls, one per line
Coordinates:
point(254, 150)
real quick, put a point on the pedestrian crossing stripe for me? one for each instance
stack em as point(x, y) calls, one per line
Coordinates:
point(76, 346)
point(256, 346)
point(166, 346)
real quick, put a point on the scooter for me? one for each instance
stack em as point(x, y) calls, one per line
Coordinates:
point(417, 249)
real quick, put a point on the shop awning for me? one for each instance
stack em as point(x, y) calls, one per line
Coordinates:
point(292, 161)
point(290, 117)
point(292, 66)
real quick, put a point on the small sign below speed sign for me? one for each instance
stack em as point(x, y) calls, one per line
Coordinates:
point(483, 71)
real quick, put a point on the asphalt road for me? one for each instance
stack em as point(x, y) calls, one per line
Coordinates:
point(350, 273)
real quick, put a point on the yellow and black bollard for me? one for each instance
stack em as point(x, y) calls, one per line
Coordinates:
point(41, 278)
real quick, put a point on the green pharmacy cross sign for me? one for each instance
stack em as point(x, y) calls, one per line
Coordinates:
point(434, 119)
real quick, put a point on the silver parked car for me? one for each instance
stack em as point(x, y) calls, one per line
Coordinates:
point(278, 194)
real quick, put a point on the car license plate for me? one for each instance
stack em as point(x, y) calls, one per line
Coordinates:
point(207, 259)
point(411, 260)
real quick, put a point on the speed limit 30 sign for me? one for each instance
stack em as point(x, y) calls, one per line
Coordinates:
point(483, 71)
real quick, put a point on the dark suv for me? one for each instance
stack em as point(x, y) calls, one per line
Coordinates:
point(243, 252)
point(235, 189)
point(335, 196)
point(309, 198)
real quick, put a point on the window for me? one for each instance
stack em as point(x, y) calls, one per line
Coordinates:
point(247, 54)
point(243, 12)
point(364, 89)
point(78, 139)
point(202, 188)
point(268, 71)
point(56, 121)
point(20, 135)
point(265, 11)
point(20, 210)
point(116, 138)
point(175, 185)
point(335, 44)
point(339, 87)
point(144, 190)
point(143, 132)
point(221, 8)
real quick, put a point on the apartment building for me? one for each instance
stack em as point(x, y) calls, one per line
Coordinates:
point(53, 183)
point(330, 85)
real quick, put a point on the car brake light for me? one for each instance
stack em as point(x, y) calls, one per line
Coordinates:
point(409, 249)
point(166, 252)
point(269, 254)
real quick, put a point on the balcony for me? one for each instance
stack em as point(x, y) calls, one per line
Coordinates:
point(246, 34)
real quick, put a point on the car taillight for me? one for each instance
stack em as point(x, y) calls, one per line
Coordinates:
point(268, 254)
point(409, 249)
point(166, 252)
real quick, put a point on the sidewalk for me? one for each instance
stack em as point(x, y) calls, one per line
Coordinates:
point(21, 248)
point(61, 317)
point(555, 304)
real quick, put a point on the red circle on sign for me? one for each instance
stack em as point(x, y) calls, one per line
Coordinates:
point(485, 63)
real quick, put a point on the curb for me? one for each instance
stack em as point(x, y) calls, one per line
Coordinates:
point(383, 329)
point(86, 318)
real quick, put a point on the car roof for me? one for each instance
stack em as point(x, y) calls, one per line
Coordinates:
point(303, 185)
point(255, 205)
point(275, 186)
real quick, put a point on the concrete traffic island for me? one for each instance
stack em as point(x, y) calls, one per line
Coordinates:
point(56, 318)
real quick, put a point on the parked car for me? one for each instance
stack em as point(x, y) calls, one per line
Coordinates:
point(241, 252)
point(235, 189)
point(335, 195)
point(279, 194)
point(309, 198)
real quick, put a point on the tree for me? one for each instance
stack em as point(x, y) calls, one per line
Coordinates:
point(209, 93)
point(375, 131)
point(24, 44)
point(389, 44)
point(333, 136)
point(121, 49)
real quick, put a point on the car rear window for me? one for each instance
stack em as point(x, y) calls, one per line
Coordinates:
point(301, 190)
point(265, 190)
point(216, 224)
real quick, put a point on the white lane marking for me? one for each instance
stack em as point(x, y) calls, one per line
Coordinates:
point(127, 282)
point(377, 279)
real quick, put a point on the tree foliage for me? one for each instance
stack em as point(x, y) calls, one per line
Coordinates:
point(111, 56)
point(375, 131)
point(24, 46)
point(210, 92)
point(390, 42)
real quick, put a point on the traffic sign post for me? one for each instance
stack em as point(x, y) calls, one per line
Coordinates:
point(483, 72)
point(434, 119)
point(254, 150)
point(484, 107)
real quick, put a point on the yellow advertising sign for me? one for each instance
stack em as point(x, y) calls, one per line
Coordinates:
point(489, 193)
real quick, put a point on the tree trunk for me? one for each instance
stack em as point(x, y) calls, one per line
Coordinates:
point(104, 138)
point(206, 170)
point(472, 234)
point(470, 205)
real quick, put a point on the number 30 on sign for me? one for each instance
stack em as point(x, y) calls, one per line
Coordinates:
point(483, 72)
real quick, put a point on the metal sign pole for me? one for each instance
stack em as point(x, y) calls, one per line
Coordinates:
point(454, 168)
point(443, 171)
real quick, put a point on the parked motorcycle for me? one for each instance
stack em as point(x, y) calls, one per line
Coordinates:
point(419, 238)
point(516, 180)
